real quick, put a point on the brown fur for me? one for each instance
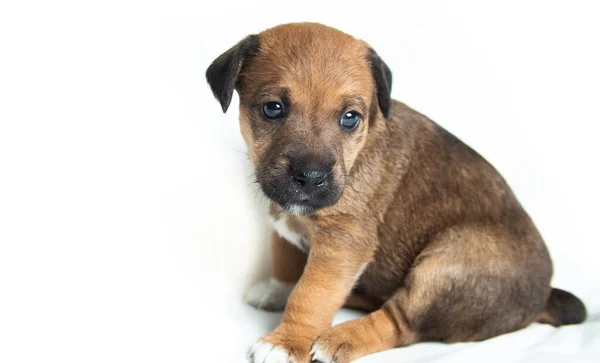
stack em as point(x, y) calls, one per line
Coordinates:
point(426, 233)
point(287, 261)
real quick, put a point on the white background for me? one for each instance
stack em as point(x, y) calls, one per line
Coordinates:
point(128, 228)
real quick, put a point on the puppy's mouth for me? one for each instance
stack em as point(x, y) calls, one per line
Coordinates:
point(299, 209)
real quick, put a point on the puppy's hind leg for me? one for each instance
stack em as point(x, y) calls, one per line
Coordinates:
point(381, 330)
point(452, 294)
point(287, 264)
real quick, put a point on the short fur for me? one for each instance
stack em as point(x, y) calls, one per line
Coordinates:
point(414, 226)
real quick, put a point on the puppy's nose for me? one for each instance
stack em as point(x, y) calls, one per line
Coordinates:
point(311, 178)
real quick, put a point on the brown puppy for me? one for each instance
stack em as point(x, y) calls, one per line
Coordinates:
point(388, 212)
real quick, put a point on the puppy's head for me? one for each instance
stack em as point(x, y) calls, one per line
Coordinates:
point(308, 95)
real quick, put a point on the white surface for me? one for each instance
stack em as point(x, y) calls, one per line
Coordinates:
point(129, 229)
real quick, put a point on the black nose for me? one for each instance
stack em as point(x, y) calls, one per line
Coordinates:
point(312, 178)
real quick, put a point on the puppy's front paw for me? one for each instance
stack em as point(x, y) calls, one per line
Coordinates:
point(286, 344)
point(270, 295)
point(263, 352)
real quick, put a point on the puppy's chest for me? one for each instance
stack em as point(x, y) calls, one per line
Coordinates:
point(291, 229)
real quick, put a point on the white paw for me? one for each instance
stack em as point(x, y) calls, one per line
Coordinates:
point(270, 295)
point(317, 354)
point(262, 352)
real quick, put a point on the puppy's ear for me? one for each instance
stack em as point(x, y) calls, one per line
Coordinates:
point(223, 73)
point(383, 82)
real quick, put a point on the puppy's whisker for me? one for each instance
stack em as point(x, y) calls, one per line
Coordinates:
point(251, 179)
point(325, 176)
point(240, 151)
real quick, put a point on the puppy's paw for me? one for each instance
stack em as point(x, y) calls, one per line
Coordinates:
point(286, 344)
point(270, 295)
point(263, 352)
point(332, 347)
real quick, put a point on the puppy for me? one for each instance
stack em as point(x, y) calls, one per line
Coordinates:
point(376, 207)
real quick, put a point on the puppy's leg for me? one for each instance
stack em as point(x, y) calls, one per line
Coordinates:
point(470, 284)
point(378, 331)
point(337, 258)
point(287, 263)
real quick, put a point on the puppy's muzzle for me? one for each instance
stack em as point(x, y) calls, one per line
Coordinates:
point(300, 182)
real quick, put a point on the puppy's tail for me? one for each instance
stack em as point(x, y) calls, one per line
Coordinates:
point(563, 308)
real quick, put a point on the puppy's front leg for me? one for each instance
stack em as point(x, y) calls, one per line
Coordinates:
point(339, 253)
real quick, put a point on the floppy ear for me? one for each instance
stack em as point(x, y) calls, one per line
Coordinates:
point(223, 73)
point(383, 82)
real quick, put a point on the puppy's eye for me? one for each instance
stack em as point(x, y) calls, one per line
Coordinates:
point(350, 120)
point(273, 110)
